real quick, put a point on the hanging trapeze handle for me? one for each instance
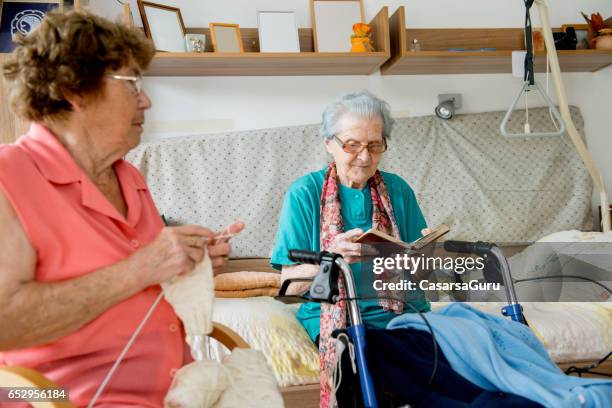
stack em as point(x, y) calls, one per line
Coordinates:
point(555, 112)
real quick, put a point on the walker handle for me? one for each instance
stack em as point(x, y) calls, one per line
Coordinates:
point(307, 257)
point(466, 247)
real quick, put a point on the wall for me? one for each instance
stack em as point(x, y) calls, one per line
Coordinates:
point(195, 105)
point(10, 124)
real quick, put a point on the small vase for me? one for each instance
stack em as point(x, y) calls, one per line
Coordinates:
point(603, 42)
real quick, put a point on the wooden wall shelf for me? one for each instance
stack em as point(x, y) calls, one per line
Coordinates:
point(265, 64)
point(254, 63)
point(436, 59)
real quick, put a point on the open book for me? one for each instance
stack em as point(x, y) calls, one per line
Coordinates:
point(374, 236)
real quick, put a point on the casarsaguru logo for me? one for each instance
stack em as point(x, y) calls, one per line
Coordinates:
point(406, 285)
point(26, 21)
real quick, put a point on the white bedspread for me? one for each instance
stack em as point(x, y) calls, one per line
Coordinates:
point(571, 332)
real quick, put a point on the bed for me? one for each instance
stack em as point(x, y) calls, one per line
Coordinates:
point(483, 186)
point(579, 335)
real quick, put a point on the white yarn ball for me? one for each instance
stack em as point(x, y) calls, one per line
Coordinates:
point(198, 385)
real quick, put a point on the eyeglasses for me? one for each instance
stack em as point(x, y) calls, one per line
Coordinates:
point(136, 81)
point(355, 147)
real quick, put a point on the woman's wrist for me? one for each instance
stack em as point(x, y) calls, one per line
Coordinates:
point(135, 275)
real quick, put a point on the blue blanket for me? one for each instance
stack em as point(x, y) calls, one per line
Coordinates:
point(496, 353)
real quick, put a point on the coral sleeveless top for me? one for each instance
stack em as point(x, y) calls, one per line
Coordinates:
point(75, 230)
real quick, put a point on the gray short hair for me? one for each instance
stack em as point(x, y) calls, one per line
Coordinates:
point(361, 103)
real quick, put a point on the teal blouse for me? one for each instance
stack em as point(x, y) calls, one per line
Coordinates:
point(299, 228)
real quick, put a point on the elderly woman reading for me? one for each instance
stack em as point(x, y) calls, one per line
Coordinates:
point(84, 248)
point(330, 208)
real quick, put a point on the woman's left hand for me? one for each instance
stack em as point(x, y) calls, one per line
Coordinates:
point(219, 249)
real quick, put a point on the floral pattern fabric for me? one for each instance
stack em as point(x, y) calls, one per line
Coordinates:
point(333, 316)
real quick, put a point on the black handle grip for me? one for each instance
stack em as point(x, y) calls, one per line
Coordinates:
point(308, 257)
point(283, 289)
point(466, 247)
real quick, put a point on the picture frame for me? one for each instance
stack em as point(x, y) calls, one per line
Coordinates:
point(226, 37)
point(22, 17)
point(278, 31)
point(163, 25)
point(195, 42)
point(584, 35)
point(332, 23)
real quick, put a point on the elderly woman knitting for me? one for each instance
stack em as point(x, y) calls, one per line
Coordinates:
point(330, 208)
point(84, 248)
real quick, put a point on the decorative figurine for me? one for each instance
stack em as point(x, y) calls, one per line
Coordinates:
point(602, 32)
point(360, 40)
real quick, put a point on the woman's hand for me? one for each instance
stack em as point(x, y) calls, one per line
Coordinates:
point(176, 250)
point(219, 249)
point(352, 252)
point(304, 271)
point(345, 245)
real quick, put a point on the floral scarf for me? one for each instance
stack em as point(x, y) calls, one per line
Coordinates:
point(334, 316)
